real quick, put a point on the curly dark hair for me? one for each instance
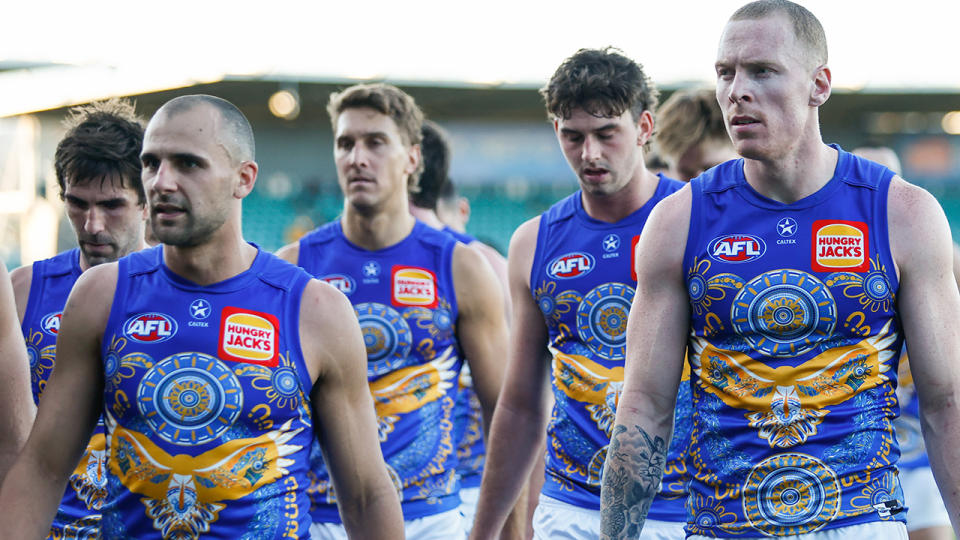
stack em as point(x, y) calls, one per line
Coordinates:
point(602, 82)
point(102, 142)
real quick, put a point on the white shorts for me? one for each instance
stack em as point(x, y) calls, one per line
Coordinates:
point(924, 506)
point(555, 519)
point(877, 530)
point(443, 526)
point(468, 507)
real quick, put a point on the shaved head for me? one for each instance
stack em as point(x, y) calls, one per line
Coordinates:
point(236, 135)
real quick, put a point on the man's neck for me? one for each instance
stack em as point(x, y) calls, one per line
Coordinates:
point(794, 176)
point(377, 229)
point(616, 206)
point(225, 255)
point(428, 216)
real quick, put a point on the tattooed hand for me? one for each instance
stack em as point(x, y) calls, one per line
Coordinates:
point(631, 479)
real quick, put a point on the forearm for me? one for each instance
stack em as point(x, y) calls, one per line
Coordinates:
point(374, 513)
point(633, 469)
point(15, 435)
point(941, 431)
point(29, 498)
point(515, 437)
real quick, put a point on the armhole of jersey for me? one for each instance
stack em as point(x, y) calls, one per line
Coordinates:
point(292, 320)
point(300, 261)
point(36, 292)
point(116, 312)
point(537, 262)
point(446, 262)
point(882, 226)
point(694, 227)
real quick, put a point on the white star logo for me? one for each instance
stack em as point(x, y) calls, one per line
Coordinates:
point(371, 269)
point(787, 226)
point(611, 242)
point(200, 309)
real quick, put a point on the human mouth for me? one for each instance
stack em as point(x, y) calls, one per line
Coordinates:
point(166, 211)
point(741, 122)
point(594, 174)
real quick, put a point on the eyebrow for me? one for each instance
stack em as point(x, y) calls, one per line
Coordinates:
point(178, 156)
point(77, 200)
point(604, 127)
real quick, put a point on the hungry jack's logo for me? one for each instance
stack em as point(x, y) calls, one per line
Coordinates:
point(249, 336)
point(412, 286)
point(840, 245)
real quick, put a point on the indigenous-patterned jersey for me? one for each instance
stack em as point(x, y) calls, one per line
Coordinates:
point(468, 416)
point(79, 513)
point(913, 451)
point(793, 351)
point(582, 278)
point(206, 404)
point(405, 301)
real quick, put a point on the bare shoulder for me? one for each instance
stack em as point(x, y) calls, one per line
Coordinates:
point(290, 252)
point(327, 321)
point(665, 233)
point(465, 260)
point(323, 305)
point(524, 239)
point(90, 299)
point(21, 278)
point(917, 226)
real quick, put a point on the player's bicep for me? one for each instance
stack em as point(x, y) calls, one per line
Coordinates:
point(481, 325)
point(73, 399)
point(928, 297)
point(343, 409)
point(527, 370)
point(659, 316)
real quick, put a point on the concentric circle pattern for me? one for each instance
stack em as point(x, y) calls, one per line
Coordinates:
point(784, 313)
point(602, 319)
point(189, 398)
point(791, 494)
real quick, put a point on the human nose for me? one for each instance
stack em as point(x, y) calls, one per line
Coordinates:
point(591, 149)
point(163, 178)
point(738, 89)
point(94, 222)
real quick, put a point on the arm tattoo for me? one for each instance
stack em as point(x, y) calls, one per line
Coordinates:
point(631, 479)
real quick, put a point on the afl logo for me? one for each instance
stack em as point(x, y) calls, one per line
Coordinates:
point(150, 327)
point(737, 248)
point(51, 323)
point(571, 265)
point(343, 282)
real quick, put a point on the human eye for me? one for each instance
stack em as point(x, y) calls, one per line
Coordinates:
point(149, 162)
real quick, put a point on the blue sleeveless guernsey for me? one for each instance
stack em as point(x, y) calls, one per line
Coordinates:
point(793, 351)
point(913, 451)
point(206, 404)
point(405, 301)
point(468, 415)
point(79, 513)
point(582, 278)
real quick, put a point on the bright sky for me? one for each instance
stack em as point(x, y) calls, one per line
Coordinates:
point(875, 43)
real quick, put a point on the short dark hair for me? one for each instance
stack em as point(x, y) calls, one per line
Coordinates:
point(103, 142)
point(238, 129)
point(435, 151)
point(806, 26)
point(688, 118)
point(385, 99)
point(602, 82)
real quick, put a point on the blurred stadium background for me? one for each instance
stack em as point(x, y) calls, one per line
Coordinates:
point(506, 159)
